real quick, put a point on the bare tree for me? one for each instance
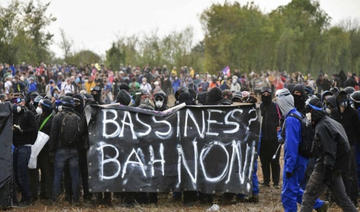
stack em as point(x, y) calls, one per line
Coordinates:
point(65, 44)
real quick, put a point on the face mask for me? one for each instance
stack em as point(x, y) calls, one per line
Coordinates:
point(18, 109)
point(308, 116)
point(39, 110)
point(299, 102)
point(266, 99)
point(234, 81)
point(328, 111)
point(60, 108)
point(159, 103)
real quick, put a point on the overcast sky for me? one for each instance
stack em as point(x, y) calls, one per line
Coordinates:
point(94, 24)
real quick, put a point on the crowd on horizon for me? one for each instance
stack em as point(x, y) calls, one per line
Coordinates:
point(43, 95)
point(54, 81)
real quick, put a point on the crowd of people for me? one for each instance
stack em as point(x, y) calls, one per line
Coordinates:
point(317, 120)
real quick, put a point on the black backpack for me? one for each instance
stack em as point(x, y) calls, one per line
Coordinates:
point(307, 136)
point(70, 128)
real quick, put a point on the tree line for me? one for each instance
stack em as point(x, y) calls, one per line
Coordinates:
point(293, 37)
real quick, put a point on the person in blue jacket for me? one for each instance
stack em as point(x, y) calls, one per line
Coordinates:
point(294, 164)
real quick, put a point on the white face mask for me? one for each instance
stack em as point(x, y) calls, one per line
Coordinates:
point(328, 111)
point(308, 116)
point(159, 103)
point(18, 109)
point(39, 110)
point(60, 108)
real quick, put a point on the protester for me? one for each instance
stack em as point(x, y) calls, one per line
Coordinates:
point(294, 163)
point(24, 135)
point(332, 150)
point(44, 162)
point(270, 123)
point(349, 119)
point(152, 88)
point(65, 133)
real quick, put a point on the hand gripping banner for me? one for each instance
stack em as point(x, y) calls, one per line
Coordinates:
point(200, 148)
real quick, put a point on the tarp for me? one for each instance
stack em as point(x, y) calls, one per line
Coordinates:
point(201, 148)
point(5, 154)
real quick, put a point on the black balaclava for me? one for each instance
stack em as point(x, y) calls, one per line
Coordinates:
point(79, 107)
point(342, 98)
point(299, 100)
point(266, 99)
point(332, 105)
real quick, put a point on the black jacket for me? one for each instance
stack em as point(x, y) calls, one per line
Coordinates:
point(351, 123)
point(331, 146)
point(26, 120)
point(270, 121)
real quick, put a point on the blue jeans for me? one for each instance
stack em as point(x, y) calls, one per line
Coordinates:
point(21, 160)
point(70, 157)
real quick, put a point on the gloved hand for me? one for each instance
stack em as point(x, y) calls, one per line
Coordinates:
point(17, 128)
point(289, 174)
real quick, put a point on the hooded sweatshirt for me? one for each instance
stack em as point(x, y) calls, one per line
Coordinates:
point(285, 101)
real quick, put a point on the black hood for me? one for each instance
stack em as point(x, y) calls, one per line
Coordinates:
point(299, 100)
point(163, 95)
point(79, 108)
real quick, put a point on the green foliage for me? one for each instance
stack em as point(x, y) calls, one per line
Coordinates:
point(293, 37)
point(23, 35)
point(83, 58)
point(174, 49)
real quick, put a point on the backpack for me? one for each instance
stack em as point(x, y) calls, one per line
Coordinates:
point(307, 136)
point(70, 128)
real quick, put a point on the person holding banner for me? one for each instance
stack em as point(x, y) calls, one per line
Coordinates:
point(24, 135)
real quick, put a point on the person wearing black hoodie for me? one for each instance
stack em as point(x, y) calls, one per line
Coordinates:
point(66, 131)
point(270, 124)
point(160, 101)
point(44, 163)
point(351, 123)
point(331, 149)
point(24, 135)
point(83, 146)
